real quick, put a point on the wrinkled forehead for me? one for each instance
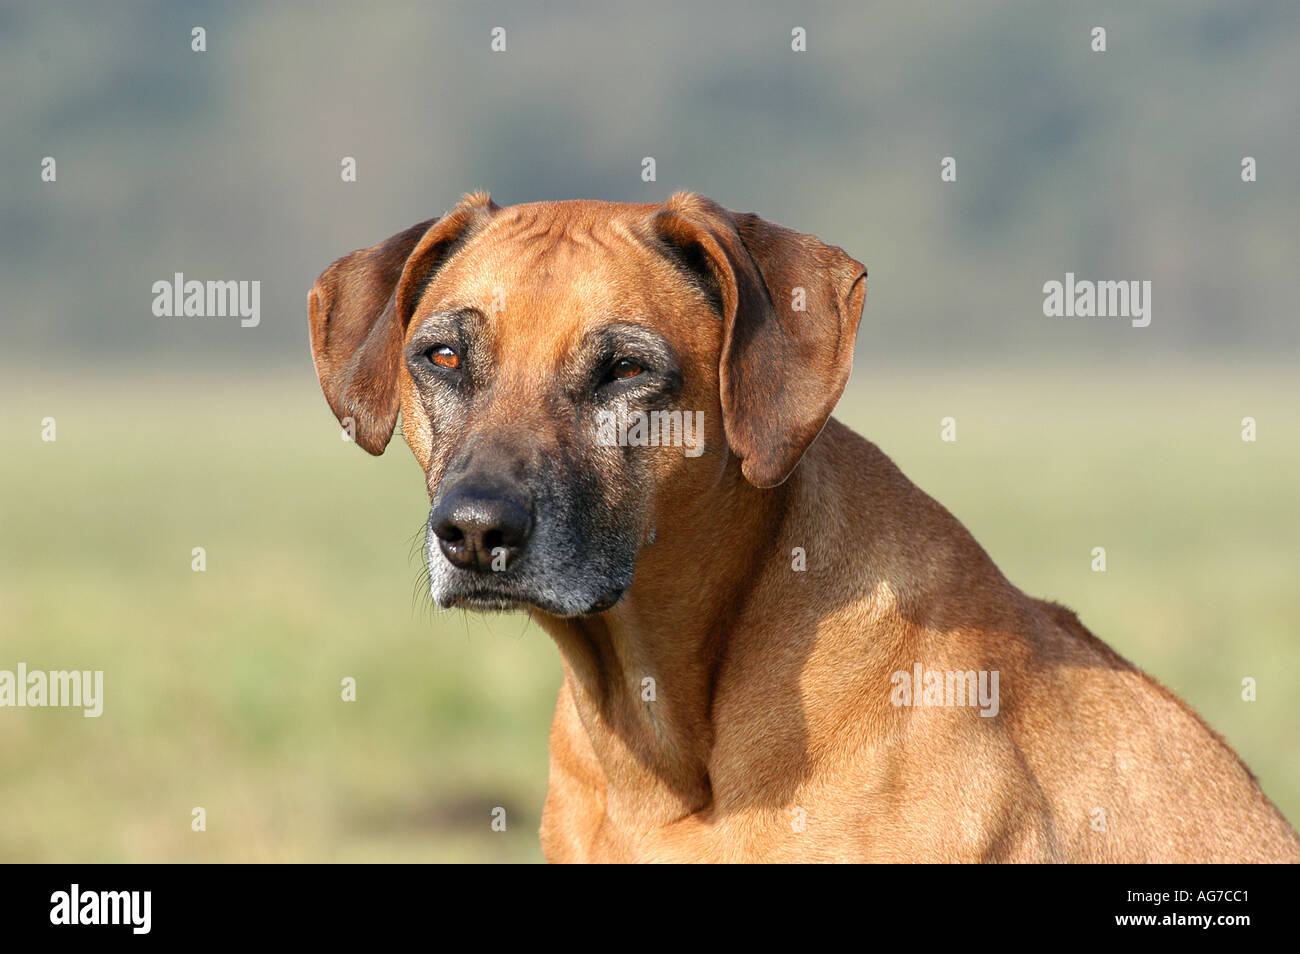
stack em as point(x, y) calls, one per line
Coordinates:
point(565, 266)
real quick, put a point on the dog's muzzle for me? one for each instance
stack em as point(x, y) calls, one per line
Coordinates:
point(483, 528)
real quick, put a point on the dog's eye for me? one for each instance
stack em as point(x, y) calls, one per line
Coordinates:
point(443, 356)
point(626, 368)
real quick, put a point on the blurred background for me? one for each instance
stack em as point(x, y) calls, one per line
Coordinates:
point(222, 688)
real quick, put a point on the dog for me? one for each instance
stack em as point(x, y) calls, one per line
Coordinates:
point(775, 646)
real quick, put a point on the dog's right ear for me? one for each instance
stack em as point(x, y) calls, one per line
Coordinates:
point(782, 367)
point(360, 308)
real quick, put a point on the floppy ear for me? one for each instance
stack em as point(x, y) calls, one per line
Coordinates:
point(359, 310)
point(790, 310)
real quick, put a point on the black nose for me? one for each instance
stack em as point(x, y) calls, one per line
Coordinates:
point(480, 528)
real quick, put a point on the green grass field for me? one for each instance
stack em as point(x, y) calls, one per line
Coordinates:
point(222, 688)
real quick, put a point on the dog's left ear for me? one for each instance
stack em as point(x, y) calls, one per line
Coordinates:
point(360, 308)
point(790, 309)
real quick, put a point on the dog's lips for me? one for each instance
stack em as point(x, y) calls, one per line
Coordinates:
point(493, 599)
point(485, 600)
point(608, 601)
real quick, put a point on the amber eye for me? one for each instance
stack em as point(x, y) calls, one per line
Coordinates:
point(443, 357)
point(625, 369)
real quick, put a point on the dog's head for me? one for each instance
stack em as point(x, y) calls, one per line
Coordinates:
point(570, 373)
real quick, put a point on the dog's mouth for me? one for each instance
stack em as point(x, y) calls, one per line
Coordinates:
point(553, 568)
point(497, 600)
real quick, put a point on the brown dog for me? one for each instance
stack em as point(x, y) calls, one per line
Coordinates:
point(775, 646)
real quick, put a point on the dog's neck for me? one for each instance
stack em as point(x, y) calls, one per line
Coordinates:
point(643, 675)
